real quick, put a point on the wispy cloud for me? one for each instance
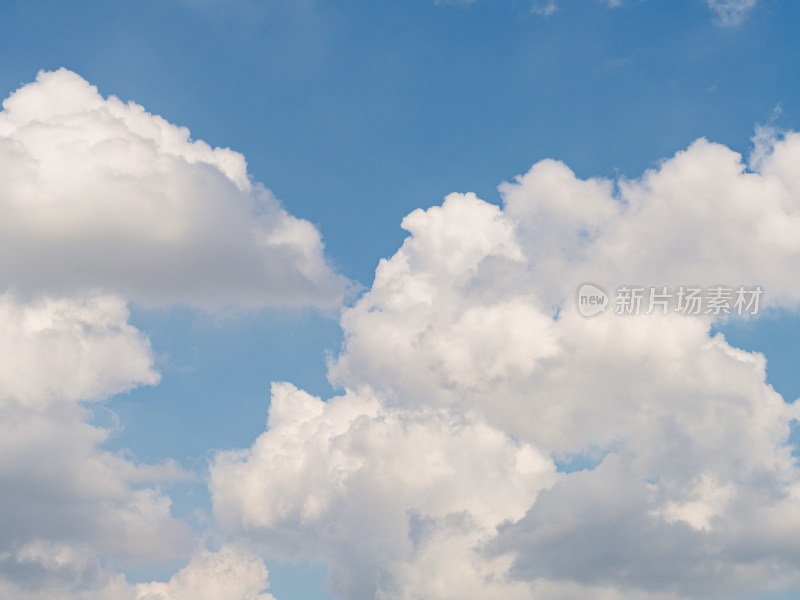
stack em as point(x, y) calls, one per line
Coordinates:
point(544, 8)
point(730, 13)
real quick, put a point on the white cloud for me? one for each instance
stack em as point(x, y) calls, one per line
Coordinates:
point(395, 500)
point(58, 486)
point(103, 203)
point(730, 13)
point(66, 350)
point(100, 194)
point(467, 351)
point(69, 507)
point(49, 571)
point(229, 574)
point(466, 373)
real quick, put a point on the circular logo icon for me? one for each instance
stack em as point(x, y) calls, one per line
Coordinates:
point(592, 300)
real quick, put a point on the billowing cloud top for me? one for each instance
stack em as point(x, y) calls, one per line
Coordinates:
point(490, 443)
point(469, 378)
point(99, 194)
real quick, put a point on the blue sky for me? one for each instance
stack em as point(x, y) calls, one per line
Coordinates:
point(354, 114)
point(386, 107)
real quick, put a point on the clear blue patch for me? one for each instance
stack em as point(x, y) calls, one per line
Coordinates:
point(215, 380)
point(572, 463)
point(302, 581)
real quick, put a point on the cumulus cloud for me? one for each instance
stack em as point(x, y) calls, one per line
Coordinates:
point(387, 496)
point(57, 485)
point(49, 571)
point(98, 194)
point(230, 573)
point(58, 350)
point(102, 204)
point(70, 509)
point(468, 374)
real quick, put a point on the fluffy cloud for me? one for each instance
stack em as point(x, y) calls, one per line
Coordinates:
point(387, 496)
point(100, 194)
point(57, 485)
point(59, 351)
point(48, 571)
point(467, 376)
point(103, 203)
point(230, 573)
point(68, 506)
point(467, 354)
